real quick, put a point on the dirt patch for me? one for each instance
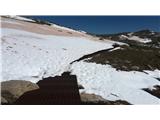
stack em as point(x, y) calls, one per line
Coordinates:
point(40, 27)
point(155, 91)
point(129, 58)
point(91, 55)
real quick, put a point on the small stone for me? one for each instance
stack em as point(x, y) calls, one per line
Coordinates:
point(135, 67)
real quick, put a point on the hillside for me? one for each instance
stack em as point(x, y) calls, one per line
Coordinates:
point(143, 37)
point(121, 67)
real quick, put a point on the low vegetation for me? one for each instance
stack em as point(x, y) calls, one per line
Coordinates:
point(42, 22)
point(129, 58)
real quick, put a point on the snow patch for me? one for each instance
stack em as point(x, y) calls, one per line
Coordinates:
point(117, 48)
point(155, 73)
point(143, 40)
point(31, 56)
point(135, 38)
point(123, 37)
point(10, 21)
point(68, 29)
point(113, 85)
point(21, 18)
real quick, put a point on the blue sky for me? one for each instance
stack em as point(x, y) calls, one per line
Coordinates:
point(106, 24)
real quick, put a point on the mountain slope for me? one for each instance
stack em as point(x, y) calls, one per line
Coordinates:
point(143, 37)
point(30, 55)
point(32, 50)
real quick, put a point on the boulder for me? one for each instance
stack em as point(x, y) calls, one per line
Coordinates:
point(94, 99)
point(91, 98)
point(135, 68)
point(12, 90)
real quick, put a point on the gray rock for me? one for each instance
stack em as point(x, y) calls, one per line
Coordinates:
point(135, 67)
point(12, 90)
point(124, 67)
point(106, 61)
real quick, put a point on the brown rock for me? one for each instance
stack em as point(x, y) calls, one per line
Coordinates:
point(85, 97)
point(93, 99)
point(12, 90)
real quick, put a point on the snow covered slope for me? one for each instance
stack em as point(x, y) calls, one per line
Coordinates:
point(40, 27)
point(32, 51)
point(32, 56)
point(20, 18)
point(115, 85)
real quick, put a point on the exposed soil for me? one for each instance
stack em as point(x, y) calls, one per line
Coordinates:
point(117, 102)
point(129, 58)
point(91, 55)
point(40, 27)
point(155, 92)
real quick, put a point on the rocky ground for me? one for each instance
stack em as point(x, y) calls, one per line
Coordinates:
point(143, 34)
point(120, 67)
point(12, 90)
point(25, 92)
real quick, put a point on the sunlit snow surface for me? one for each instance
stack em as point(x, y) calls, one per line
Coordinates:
point(32, 56)
point(20, 18)
point(136, 38)
point(115, 85)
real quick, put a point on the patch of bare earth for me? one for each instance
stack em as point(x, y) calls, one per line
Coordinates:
point(155, 91)
point(41, 28)
point(129, 58)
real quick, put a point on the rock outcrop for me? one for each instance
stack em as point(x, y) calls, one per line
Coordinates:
point(93, 99)
point(12, 90)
